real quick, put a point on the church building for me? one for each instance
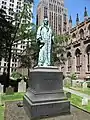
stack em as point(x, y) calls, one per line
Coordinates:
point(78, 48)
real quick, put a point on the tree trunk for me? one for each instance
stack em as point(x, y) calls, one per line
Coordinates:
point(8, 69)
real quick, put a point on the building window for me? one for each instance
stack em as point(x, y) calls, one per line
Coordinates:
point(78, 54)
point(15, 60)
point(4, 69)
point(3, 2)
point(12, 1)
point(11, 5)
point(69, 61)
point(81, 32)
point(4, 7)
point(73, 35)
point(12, 70)
point(16, 45)
point(89, 29)
point(88, 57)
point(0, 59)
point(23, 47)
point(78, 62)
point(4, 64)
point(12, 65)
point(45, 12)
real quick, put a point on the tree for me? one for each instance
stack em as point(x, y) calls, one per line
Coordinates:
point(16, 75)
point(6, 29)
point(14, 31)
point(28, 58)
point(59, 49)
point(6, 32)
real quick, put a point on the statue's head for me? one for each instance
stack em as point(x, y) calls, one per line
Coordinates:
point(45, 21)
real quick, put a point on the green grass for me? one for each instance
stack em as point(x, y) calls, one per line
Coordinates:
point(1, 113)
point(77, 101)
point(14, 97)
point(86, 90)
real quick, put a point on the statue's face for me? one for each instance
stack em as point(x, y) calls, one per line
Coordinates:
point(45, 21)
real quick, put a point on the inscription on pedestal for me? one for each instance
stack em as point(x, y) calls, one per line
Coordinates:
point(45, 81)
point(45, 96)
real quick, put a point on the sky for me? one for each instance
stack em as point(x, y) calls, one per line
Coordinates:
point(73, 6)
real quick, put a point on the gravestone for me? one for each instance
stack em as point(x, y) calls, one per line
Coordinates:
point(1, 88)
point(85, 85)
point(45, 95)
point(74, 83)
point(1, 92)
point(68, 95)
point(9, 90)
point(85, 101)
point(22, 86)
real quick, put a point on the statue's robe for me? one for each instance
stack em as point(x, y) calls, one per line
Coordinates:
point(44, 36)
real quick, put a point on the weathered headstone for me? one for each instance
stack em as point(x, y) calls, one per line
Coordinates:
point(1, 92)
point(84, 85)
point(1, 88)
point(22, 86)
point(9, 90)
point(68, 95)
point(74, 83)
point(85, 101)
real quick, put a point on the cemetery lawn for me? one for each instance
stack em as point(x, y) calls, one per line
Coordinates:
point(13, 97)
point(1, 113)
point(86, 90)
point(77, 101)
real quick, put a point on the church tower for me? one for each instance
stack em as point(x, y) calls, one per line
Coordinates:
point(77, 19)
point(70, 22)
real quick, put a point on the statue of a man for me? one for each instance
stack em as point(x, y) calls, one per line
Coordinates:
point(45, 39)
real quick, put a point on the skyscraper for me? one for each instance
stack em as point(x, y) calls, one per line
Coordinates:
point(11, 6)
point(56, 13)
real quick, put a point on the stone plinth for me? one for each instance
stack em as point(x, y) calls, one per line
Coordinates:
point(45, 96)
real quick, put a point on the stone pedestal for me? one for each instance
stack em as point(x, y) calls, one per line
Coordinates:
point(45, 96)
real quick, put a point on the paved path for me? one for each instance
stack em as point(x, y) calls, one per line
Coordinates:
point(13, 112)
point(76, 93)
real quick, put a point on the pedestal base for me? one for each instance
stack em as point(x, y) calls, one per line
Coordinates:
point(45, 96)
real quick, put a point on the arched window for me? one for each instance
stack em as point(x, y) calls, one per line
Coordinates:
point(73, 35)
point(77, 54)
point(69, 61)
point(81, 32)
point(89, 29)
point(88, 57)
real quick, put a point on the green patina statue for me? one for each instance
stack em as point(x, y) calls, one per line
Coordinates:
point(45, 39)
